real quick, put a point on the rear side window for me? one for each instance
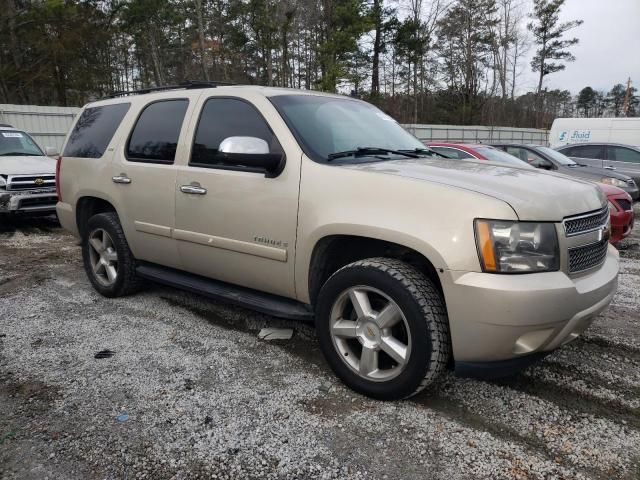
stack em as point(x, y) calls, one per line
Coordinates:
point(94, 130)
point(227, 117)
point(588, 151)
point(622, 154)
point(155, 136)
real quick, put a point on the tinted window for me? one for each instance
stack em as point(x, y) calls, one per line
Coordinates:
point(451, 152)
point(155, 136)
point(622, 154)
point(521, 153)
point(227, 117)
point(94, 130)
point(588, 151)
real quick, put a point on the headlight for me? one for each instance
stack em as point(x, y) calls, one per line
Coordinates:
point(3, 182)
point(517, 247)
point(616, 182)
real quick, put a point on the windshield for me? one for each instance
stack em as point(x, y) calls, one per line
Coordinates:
point(495, 155)
point(13, 142)
point(557, 156)
point(327, 125)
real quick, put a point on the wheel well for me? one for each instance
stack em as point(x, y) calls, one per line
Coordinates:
point(334, 252)
point(87, 207)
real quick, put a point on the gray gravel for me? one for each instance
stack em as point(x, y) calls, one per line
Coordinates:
point(191, 392)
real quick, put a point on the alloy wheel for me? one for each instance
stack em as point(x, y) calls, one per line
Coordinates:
point(103, 257)
point(370, 333)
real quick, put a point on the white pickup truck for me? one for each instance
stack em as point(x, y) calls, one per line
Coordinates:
point(27, 174)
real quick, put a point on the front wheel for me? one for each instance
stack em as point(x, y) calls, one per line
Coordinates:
point(383, 328)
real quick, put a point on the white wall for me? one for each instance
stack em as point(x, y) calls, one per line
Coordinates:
point(477, 134)
point(47, 125)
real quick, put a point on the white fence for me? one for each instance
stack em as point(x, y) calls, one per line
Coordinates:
point(478, 134)
point(47, 125)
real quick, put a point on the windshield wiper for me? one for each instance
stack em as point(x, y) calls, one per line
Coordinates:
point(422, 151)
point(364, 151)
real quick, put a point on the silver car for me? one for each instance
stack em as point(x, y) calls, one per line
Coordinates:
point(622, 158)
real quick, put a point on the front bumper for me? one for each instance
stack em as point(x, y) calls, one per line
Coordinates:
point(494, 317)
point(28, 201)
point(621, 225)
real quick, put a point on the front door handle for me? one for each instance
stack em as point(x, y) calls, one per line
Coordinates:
point(608, 167)
point(121, 179)
point(193, 189)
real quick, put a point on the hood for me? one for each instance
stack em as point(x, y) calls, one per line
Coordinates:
point(533, 194)
point(32, 165)
point(597, 172)
point(611, 191)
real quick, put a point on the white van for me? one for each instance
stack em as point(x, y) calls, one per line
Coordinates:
point(565, 131)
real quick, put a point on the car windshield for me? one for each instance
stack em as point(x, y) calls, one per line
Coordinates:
point(495, 155)
point(16, 143)
point(557, 156)
point(326, 125)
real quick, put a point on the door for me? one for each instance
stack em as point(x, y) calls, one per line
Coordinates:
point(233, 223)
point(144, 174)
point(624, 160)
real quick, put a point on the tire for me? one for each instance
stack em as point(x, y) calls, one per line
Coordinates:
point(118, 255)
point(418, 339)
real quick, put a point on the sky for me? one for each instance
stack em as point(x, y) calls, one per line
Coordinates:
point(608, 51)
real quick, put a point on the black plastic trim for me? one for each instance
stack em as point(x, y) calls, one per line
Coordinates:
point(499, 369)
point(245, 297)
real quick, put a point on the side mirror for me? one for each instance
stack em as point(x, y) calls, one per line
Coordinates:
point(252, 152)
point(253, 145)
point(51, 151)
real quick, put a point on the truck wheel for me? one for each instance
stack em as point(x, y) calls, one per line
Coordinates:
point(108, 261)
point(383, 328)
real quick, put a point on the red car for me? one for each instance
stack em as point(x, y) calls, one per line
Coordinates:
point(476, 151)
point(620, 203)
point(621, 211)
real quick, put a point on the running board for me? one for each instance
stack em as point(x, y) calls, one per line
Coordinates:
point(245, 297)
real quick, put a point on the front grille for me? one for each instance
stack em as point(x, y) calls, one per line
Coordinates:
point(624, 204)
point(585, 223)
point(587, 256)
point(30, 182)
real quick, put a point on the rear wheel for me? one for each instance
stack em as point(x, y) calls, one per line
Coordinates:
point(382, 326)
point(108, 261)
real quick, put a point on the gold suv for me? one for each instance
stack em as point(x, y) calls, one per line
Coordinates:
point(306, 205)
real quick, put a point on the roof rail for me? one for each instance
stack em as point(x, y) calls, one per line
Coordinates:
point(189, 84)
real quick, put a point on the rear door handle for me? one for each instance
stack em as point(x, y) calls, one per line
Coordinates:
point(193, 189)
point(121, 179)
point(608, 167)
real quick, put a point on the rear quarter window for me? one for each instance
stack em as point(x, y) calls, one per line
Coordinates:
point(94, 130)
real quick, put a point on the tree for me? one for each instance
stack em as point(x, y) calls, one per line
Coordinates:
point(548, 35)
point(586, 101)
point(466, 45)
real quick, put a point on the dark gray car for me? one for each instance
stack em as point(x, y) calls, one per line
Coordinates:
point(621, 158)
point(550, 159)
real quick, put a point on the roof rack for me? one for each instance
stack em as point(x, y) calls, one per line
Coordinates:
point(188, 85)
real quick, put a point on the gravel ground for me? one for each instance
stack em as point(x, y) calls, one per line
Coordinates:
point(191, 392)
